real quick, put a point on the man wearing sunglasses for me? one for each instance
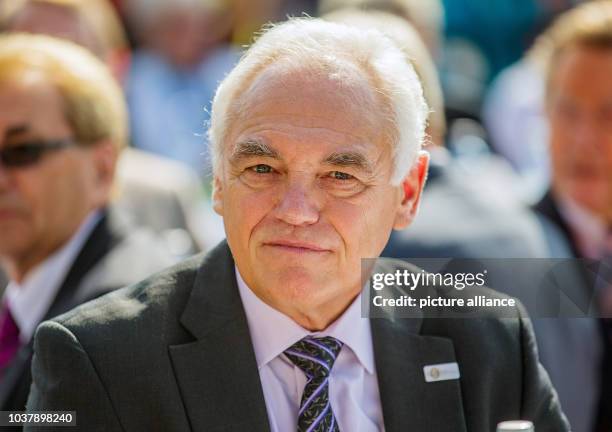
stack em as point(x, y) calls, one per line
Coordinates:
point(62, 126)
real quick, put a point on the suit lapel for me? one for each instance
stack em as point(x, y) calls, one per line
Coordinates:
point(548, 208)
point(581, 293)
point(10, 382)
point(102, 239)
point(408, 401)
point(217, 374)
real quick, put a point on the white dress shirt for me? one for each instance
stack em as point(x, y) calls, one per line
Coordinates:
point(353, 385)
point(30, 300)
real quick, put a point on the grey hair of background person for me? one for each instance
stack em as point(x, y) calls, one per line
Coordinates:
point(408, 39)
point(315, 45)
point(426, 15)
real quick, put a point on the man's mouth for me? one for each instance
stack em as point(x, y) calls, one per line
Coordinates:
point(296, 246)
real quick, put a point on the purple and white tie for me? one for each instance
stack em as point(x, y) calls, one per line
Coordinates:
point(315, 357)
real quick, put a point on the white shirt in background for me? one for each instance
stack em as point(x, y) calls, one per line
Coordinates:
point(30, 300)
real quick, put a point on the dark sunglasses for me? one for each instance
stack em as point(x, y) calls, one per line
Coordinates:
point(30, 153)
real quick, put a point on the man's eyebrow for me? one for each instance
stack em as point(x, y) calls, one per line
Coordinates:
point(252, 148)
point(350, 159)
point(16, 130)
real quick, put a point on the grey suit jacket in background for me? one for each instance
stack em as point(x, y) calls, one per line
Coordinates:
point(114, 255)
point(572, 350)
point(173, 353)
point(457, 219)
point(162, 195)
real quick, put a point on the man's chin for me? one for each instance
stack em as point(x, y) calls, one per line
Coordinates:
point(296, 274)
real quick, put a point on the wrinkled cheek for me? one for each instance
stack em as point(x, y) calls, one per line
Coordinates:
point(243, 212)
point(376, 233)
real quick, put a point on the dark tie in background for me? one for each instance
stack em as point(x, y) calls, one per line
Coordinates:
point(9, 337)
point(604, 278)
point(315, 357)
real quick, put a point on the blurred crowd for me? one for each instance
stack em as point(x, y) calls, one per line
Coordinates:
point(520, 140)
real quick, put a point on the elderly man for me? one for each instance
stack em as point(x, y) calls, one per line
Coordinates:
point(62, 124)
point(579, 110)
point(312, 171)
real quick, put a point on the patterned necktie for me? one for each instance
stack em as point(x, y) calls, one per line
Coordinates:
point(9, 337)
point(315, 357)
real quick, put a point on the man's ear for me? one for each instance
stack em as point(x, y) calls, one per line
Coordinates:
point(217, 195)
point(411, 188)
point(104, 154)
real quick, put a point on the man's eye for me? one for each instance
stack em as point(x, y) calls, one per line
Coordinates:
point(339, 175)
point(261, 169)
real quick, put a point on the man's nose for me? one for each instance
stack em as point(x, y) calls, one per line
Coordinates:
point(297, 205)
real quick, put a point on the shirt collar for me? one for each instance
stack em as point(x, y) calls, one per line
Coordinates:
point(590, 231)
point(272, 332)
point(30, 300)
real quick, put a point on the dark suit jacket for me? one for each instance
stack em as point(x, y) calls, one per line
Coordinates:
point(599, 387)
point(173, 353)
point(113, 256)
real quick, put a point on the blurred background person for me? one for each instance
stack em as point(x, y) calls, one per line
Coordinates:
point(516, 97)
point(427, 17)
point(249, 15)
point(169, 201)
point(578, 101)
point(63, 123)
point(183, 53)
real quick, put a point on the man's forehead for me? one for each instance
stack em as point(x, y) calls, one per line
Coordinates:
point(30, 104)
point(579, 59)
point(342, 101)
point(308, 90)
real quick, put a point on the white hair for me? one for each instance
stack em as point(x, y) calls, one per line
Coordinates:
point(308, 43)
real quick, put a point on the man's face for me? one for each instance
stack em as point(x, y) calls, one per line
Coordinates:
point(41, 205)
point(304, 190)
point(580, 113)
